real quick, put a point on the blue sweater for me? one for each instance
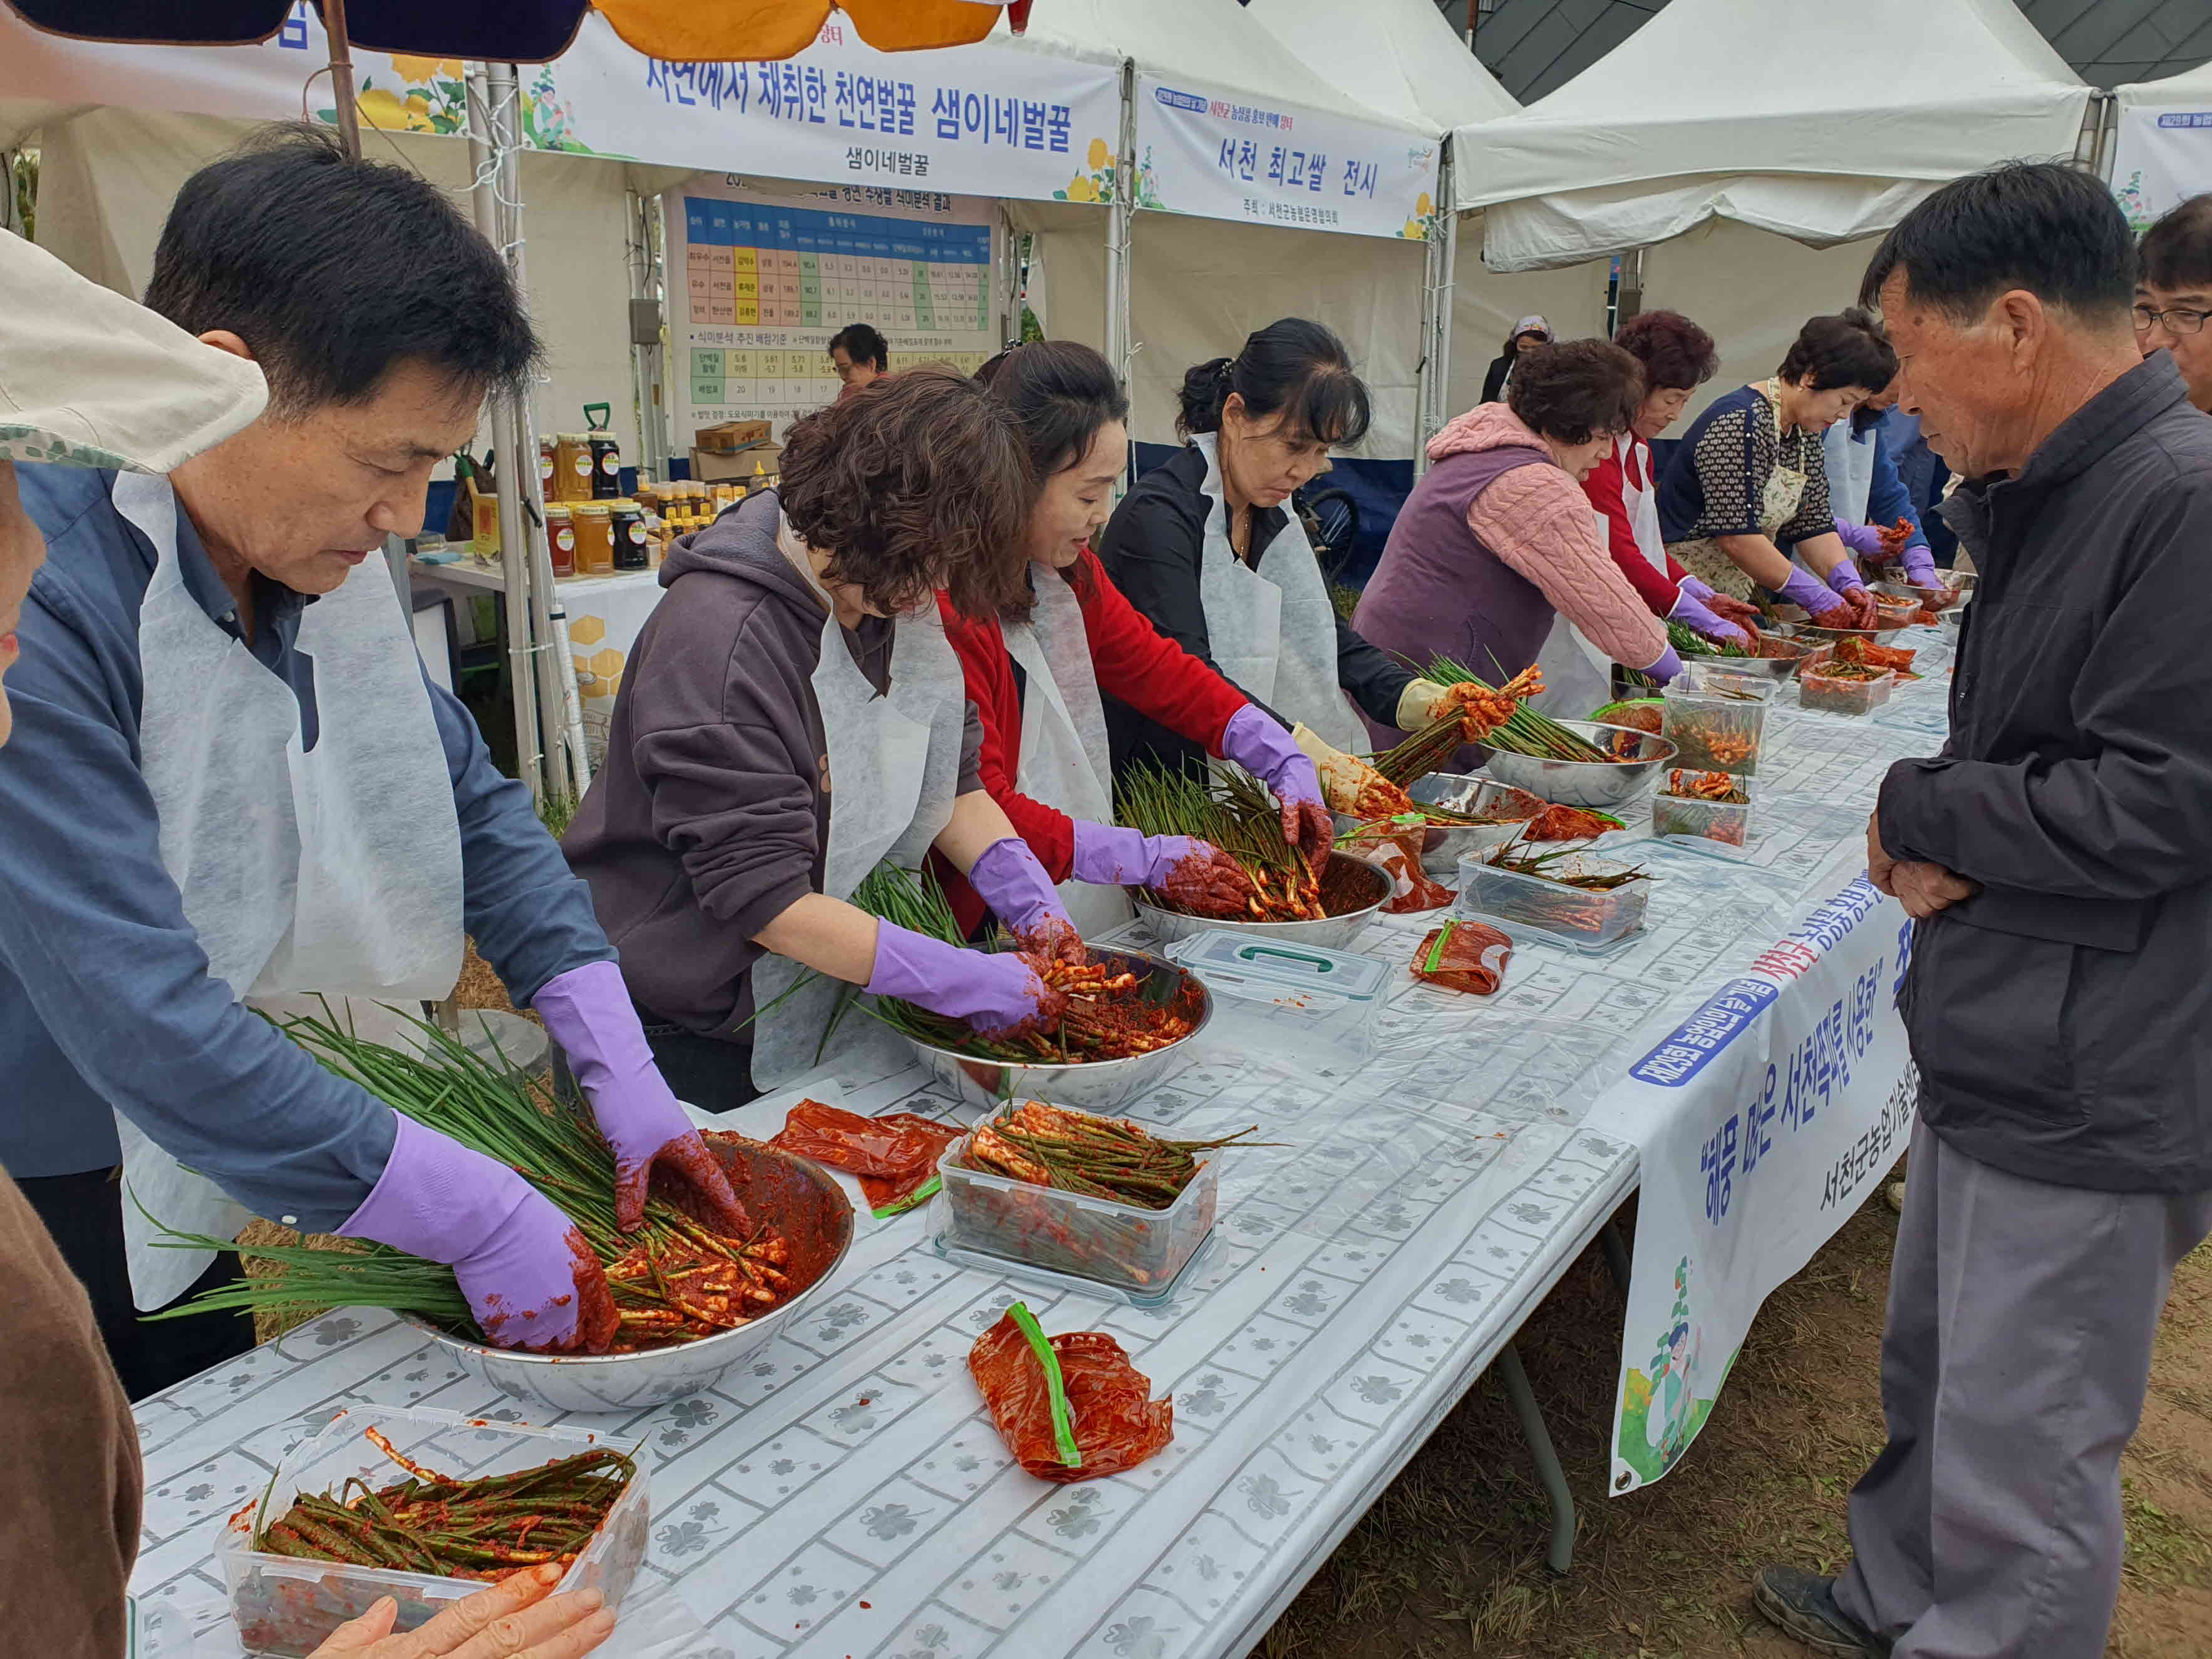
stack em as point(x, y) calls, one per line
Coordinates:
point(105, 995)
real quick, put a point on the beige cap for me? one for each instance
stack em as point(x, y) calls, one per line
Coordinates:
point(90, 379)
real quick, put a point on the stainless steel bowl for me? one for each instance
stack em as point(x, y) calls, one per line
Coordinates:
point(1778, 669)
point(1442, 845)
point(1938, 599)
point(1329, 934)
point(1820, 636)
point(788, 1191)
point(1585, 783)
point(1097, 1085)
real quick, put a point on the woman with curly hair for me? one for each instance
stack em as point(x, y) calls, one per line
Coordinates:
point(1496, 547)
point(790, 717)
point(1677, 356)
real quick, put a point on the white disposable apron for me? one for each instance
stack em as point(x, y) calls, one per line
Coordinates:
point(1848, 459)
point(1065, 761)
point(894, 769)
point(1271, 630)
point(1578, 674)
point(333, 870)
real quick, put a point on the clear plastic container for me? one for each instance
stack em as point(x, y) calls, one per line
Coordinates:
point(1123, 1245)
point(1727, 674)
point(1572, 916)
point(1816, 688)
point(283, 1605)
point(1729, 823)
point(1714, 731)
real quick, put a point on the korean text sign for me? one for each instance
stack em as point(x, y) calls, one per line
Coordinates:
point(1763, 1118)
point(1219, 156)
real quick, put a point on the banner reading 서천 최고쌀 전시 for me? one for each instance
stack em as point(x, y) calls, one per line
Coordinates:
point(1763, 1120)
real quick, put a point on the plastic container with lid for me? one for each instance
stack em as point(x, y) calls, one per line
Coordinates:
point(1714, 729)
point(560, 538)
point(572, 466)
point(632, 549)
point(595, 538)
point(285, 1605)
point(1818, 688)
point(1572, 916)
point(1728, 823)
point(1123, 1245)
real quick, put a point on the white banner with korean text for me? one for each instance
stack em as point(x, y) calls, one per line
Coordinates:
point(1209, 153)
point(1763, 1121)
point(2160, 159)
point(993, 119)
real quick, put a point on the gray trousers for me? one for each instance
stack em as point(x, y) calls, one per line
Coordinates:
point(2013, 1372)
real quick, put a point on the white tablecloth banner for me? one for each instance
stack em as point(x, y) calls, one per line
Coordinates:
point(1762, 1121)
point(605, 615)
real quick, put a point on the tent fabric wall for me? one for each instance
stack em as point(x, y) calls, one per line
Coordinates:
point(1068, 268)
point(1485, 303)
point(1752, 291)
point(107, 177)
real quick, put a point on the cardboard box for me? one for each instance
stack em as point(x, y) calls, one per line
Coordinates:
point(756, 463)
point(730, 435)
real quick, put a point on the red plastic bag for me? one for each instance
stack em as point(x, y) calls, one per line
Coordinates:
point(895, 1156)
point(1463, 956)
point(1109, 1420)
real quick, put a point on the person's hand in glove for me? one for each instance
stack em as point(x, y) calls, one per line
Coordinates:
point(1689, 610)
point(1270, 753)
point(1920, 566)
point(530, 1278)
point(587, 1010)
point(1864, 539)
point(1015, 885)
point(1200, 877)
point(1001, 995)
point(1826, 608)
point(1740, 612)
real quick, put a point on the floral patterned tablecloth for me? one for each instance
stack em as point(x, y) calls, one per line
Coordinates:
point(843, 1494)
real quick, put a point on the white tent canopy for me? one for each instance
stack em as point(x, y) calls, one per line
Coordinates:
point(1198, 286)
point(2191, 88)
point(1822, 122)
point(1399, 57)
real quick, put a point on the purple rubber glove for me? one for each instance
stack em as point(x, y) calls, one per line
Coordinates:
point(1920, 566)
point(1862, 540)
point(998, 995)
point(1014, 884)
point(587, 1010)
point(1108, 855)
point(1844, 579)
point(1691, 610)
point(1814, 597)
point(1270, 753)
point(1669, 666)
point(531, 1279)
point(1696, 589)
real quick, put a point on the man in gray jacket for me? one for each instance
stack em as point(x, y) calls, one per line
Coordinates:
point(2054, 857)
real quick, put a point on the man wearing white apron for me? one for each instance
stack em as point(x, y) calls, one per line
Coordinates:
point(231, 780)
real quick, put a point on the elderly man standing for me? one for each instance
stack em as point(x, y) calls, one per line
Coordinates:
point(2057, 1000)
point(230, 779)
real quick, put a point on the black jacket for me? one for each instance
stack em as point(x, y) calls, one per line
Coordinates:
point(2062, 1019)
point(1151, 549)
point(1493, 383)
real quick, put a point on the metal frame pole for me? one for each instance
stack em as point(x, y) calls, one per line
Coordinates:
point(341, 93)
point(1433, 391)
point(567, 766)
point(515, 609)
point(644, 356)
point(1121, 222)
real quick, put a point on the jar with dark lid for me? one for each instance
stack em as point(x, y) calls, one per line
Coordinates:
point(631, 550)
point(606, 466)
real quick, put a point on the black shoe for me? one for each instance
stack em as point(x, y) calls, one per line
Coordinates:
point(1804, 1605)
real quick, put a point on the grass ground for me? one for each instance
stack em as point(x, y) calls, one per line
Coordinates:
point(1448, 1564)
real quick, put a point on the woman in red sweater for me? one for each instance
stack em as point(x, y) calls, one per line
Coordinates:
point(1036, 682)
point(1677, 357)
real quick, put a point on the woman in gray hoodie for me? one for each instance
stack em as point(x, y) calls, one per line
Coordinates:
point(797, 651)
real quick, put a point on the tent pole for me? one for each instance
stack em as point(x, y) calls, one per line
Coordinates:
point(645, 310)
point(1435, 316)
point(514, 599)
point(341, 93)
point(1121, 222)
point(1010, 282)
point(556, 669)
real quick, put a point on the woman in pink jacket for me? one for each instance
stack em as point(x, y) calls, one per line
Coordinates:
point(1498, 544)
